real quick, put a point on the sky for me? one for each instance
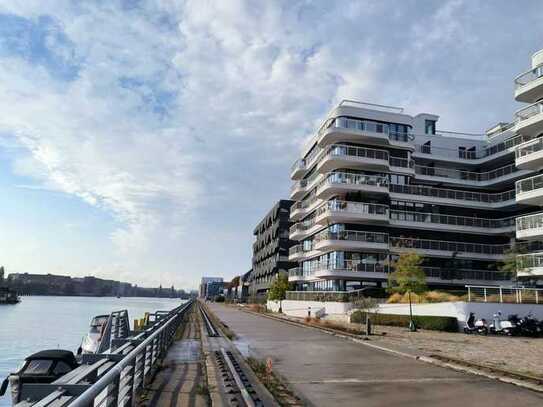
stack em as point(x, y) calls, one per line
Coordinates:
point(144, 140)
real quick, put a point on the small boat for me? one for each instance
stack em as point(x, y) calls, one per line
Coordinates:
point(42, 367)
point(8, 296)
point(92, 340)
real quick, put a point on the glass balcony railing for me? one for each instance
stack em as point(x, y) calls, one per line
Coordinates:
point(306, 203)
point(529, 184)
point(528, 77)
point(473, 154)
point(529, 111)
point(452, 194)
point(352, 207)
point(302, 226)
point(298, 165)
point(369, 126)
point(361, 152)
point(529, 261)
point(530, 222)
point(346, 265)
point(401, 162)
point(299, 248)
point(530, 147)
point(352, 235)
point(465, 175)
point(427, 244)
point(469, 274)
point(346, 178)
point(452, 220)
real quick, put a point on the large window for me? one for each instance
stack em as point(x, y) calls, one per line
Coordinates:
point(430, 127)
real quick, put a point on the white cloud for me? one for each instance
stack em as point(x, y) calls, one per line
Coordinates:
point(183, 117)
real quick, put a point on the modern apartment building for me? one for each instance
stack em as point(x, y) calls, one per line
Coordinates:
point(375, 182)
point(271, 248)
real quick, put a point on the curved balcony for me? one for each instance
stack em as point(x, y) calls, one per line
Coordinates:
point(342, 129)
point(446, 196)
point(296, 252)
point(530, 226)
point(440, 248)
point(337, 211)
point(529, 155)
point(303, 208)
point(337, 183)
point(529, 191)
point(418, 220)
point(298, 189)
point(341, 156)
point(478, 179)
point(529, 85)
point(349, 269)
point(529, 120)
point(350, 240)
point(298, 169)
point(530, 265)
point(301, 230)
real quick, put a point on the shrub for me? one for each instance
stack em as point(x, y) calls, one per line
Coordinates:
point(427, 297)
point(448, 324)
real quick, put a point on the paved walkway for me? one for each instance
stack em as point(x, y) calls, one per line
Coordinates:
point(329, 371)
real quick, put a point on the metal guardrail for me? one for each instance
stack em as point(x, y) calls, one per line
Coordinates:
point(510, 295)
point(113, 379)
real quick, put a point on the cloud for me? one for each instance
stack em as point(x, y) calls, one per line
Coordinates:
point(182, 118)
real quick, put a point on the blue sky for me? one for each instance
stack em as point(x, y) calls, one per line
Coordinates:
point(143, 140)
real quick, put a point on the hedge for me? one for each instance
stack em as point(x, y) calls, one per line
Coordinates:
point(449, 324)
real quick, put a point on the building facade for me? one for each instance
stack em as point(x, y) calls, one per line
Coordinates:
point(375, 182)
point(211, 286)
point(271, 248)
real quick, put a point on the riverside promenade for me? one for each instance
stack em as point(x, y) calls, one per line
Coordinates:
point(326, 370)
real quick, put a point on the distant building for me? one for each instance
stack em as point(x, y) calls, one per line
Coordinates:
point(208, 288)
point(271, 248)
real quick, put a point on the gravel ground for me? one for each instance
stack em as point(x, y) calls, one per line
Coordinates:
point(523, 355)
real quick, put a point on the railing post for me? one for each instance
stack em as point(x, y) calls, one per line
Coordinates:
point(520, 295)
point(484, 291)
point(501, 295)
point(536, 296)
point(469, 294)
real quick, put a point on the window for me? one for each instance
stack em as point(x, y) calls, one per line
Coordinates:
point(61, 368)
point(38, 366)
point(430, 127)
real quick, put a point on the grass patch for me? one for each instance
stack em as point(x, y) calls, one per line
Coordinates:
point(280, 391)
point(425, 298)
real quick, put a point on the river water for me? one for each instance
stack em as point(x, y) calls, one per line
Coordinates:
point(38, 323)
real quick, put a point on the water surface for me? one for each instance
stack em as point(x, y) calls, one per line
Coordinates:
point(38, 323)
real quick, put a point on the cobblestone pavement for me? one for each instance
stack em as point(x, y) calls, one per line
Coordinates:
point(518, 354)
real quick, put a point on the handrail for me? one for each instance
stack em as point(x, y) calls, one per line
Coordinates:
point(337, 205)
point(129, 370)
point(446, 193)
point(353, 235)
point(443, 172)
point(443, 245)
point(529, 222)
point(528, 76)
point(529, 184)
point(468, 221)
point(529, 111)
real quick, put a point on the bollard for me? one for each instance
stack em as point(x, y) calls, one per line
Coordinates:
point(309, 312)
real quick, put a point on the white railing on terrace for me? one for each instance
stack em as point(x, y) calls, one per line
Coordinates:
point(459, 247)
point(452, 194)
point(362, 152)
point(466, 221)
point(529, 184)
point(511, 295)
point(529, 111)
point(530, 222)
point(353, 179)
point(473, 154)
point(465, 175)
point(366, 125)
point(465, 274)
point(354, 207)
point(528, 76)
point(532, 146)
point(525, 262)
point(352, 235)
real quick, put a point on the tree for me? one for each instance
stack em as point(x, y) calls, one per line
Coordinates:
point(512, 264)
point(278, 289)
point(408, 277)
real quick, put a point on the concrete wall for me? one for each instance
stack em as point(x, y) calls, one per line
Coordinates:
point(300, 308)
point(460, 310)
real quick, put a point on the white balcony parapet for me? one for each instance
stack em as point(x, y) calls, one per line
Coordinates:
point(461, 248)
point(530, 265)
point(298, 169)
point(529, 120)
point(446, 222)
point(347, 210)
point(338, 182)
point(350, 239)
point(451, 195)
point(529, 85)
point(530, 190)
point(530, 226)
point(529, 155)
